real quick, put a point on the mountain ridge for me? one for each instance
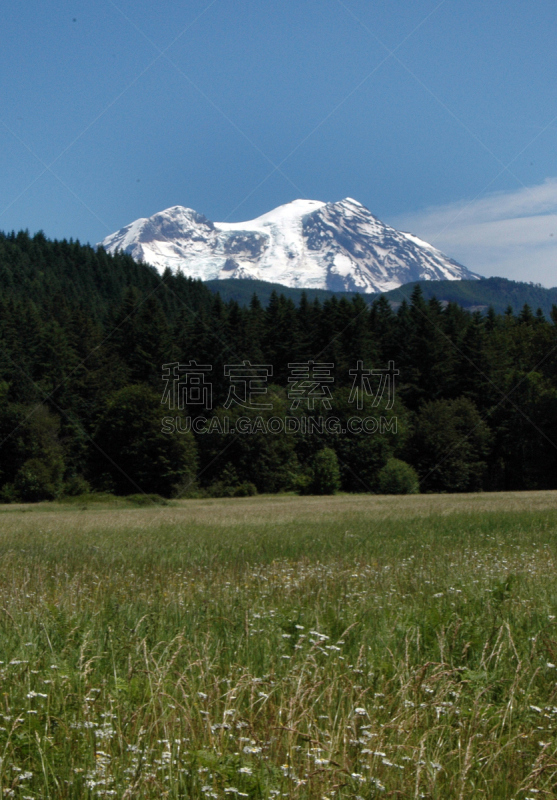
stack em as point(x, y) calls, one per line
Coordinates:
point(499, 293)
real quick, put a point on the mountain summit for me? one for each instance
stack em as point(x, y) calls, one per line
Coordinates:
point(338, 246)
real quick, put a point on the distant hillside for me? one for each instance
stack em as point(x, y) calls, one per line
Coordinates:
point(242, 291)
point(59, 277)
point(479, 295)
point(472, 295)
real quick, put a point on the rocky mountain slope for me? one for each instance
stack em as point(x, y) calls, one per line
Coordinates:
point(337, 246)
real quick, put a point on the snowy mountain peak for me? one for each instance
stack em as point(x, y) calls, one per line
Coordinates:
point(295, 209)
point(305, 243)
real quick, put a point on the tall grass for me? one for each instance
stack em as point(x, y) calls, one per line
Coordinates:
point(288, 647)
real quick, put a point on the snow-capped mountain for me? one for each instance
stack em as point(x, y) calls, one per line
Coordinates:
point(338, 246)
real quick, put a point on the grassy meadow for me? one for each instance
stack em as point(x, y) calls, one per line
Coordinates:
point(267, 647)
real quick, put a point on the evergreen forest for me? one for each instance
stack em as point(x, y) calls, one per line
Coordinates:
point(84, 336)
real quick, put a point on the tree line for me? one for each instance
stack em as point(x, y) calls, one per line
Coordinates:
point(84, 336)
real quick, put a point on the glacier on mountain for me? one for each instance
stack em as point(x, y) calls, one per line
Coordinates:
point(306, 243)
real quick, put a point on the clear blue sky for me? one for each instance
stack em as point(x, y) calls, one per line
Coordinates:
point(137, 106)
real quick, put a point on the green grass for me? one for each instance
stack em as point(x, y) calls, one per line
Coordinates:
point(280, 647)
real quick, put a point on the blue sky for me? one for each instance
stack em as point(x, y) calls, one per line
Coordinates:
point(440, 117)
